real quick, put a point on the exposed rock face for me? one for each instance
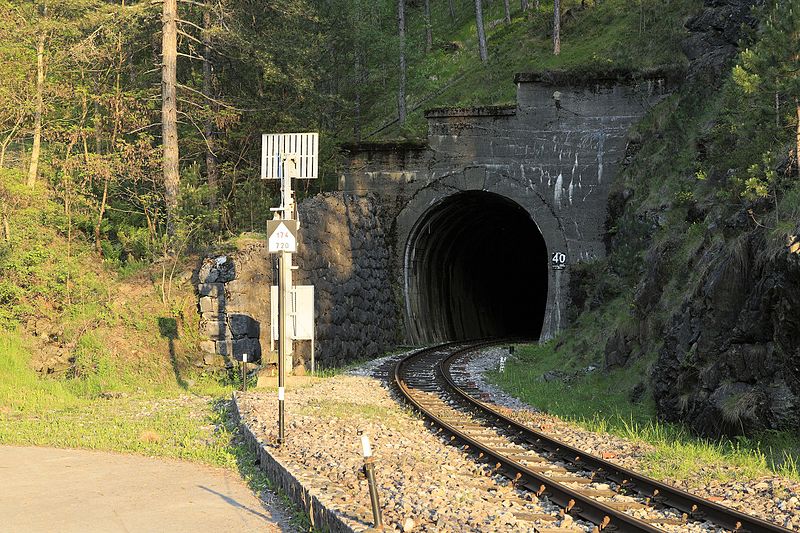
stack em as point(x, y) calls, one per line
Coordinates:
point(715, 34)
point(343, 252)
point(731, 357)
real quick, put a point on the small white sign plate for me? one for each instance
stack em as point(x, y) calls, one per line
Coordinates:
point(282, 236)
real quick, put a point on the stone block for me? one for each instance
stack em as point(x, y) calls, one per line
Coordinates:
point(213, 317)
point(207, 272)
point(214, 329)
point(251, 347)
point(244, 326)
point(226, 269)
point(225, 347)
point(237, 347)
point(211, 289)
point(207, 305)
point(208, 346)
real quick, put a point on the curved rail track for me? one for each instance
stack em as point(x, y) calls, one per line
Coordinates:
point(583, 485)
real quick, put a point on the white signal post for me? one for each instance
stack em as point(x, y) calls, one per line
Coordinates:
point(286, 156)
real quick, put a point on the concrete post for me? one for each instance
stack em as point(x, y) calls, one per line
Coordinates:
point(285, 347)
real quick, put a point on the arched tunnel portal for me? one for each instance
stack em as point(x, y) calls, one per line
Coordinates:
point(475, 266)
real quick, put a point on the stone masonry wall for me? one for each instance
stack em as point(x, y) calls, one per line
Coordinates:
point(343, 252)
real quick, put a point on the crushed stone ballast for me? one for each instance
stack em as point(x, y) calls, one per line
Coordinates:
point(427, 479)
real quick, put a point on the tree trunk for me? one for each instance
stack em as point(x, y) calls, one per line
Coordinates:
point(507, 9)
point(556, 27)
point(6, 226)
point(118, 90)
point(452, 9)
point(169, 113)
point(212, 169)
point(523, 4)
point(797, 145)
point(428, 29)
point(102, 212)
point(401, 90)
point(641, 17)
point(357, 99)
point(33, 170)
point(84, 113)
point(66, 177)
point(481, 34)
point(98, 125)
point(9, 138)
point(23, 156)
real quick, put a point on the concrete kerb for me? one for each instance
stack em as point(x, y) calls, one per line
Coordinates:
point(322, 518)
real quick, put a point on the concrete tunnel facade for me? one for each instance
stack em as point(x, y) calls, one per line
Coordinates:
point(490, 213)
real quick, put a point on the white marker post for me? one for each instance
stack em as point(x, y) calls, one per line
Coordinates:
point(369, 471)
point(244, 372)
point(285, 156)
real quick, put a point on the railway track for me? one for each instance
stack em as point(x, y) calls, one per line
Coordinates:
point(583, 486)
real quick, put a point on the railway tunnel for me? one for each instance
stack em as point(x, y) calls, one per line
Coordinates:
point(475, 266)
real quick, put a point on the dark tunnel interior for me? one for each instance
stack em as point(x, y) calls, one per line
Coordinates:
point(476, 266)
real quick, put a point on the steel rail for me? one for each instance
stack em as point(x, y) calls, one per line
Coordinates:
point(660, 493)
point(571, 501)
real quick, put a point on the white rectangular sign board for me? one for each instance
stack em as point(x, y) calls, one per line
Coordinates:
point(303, 146)
point(301, 314)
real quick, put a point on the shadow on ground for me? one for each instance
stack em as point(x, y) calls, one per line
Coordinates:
point(168, 327)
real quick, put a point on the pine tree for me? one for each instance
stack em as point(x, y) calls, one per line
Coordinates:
point(556, 27)
point(481, 34)
point(169, 112)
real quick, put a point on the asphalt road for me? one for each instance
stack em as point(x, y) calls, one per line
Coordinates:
point(53, 490)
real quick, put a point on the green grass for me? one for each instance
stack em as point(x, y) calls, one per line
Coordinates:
point(601, 401)
point(111, 409)
point(105, 408)
point(604, 37)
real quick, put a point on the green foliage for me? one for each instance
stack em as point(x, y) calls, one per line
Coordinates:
point(601, 401)
point(600, 39)
point(93, 366)
point(291, 65)
point(759, 120)
point(760, 177)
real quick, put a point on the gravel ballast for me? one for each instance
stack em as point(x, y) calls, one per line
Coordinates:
point(426, 484)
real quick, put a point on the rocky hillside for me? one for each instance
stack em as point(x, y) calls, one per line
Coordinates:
point(704, 250)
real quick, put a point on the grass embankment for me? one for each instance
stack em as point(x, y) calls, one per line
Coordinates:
point(606, 401)
point(144, 417)
point(599, 38)
point(110, 412)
